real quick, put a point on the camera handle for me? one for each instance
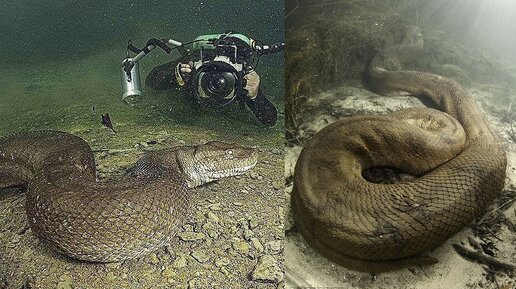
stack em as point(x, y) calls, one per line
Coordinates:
point(268, 49)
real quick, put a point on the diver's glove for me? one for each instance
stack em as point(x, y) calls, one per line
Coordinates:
point(252, 84)
point(182, 73)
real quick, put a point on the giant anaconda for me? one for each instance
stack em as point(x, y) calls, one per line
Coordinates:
point(111, 220)
point(457, 158)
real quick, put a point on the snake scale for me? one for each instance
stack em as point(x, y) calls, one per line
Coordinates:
point(458, 160)
point(111, 220)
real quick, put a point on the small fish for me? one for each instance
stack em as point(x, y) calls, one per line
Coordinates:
point(106, 121)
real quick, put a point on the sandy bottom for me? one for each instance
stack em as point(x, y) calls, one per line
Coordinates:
point(306, 268)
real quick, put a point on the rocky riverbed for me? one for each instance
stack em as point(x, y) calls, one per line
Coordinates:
point(231, 239)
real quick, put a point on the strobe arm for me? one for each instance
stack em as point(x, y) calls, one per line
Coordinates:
point(152, 43)
point(267, 49)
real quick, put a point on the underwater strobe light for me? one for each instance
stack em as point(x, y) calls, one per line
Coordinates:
point(131, 84)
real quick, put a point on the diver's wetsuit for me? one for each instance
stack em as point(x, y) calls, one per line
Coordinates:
point(163, 77)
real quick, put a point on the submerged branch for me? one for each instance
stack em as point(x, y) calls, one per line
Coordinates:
point(484, 259)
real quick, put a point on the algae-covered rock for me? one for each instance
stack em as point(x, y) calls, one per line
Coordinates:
point(267, 270)
point(241, 247)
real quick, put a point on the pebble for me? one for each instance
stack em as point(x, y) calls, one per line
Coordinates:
point(210, 230)
point(210, 215)
point(199, 256)
point(103, 155)
point(147, 273)
point(168, 273)
point(274, 247)
point(191, 236)
point(257, 245)
point(281, 212)
point(208, 226)
point(64, 285)
point(154, 259)
point(233, 230)
point(169, 250)
point(66, 278)
point(215, 207)
point(241, 247)
point(267, 270)
point(253, 224)
point(212, 233)
point(180, 262)
point(254, 175)
point(222, 262)
point(277, 151)
point(199, 217)
point(244, 224)
point(110, 276)
point(165, 257)
point(248, 234)
point(226, 272)
point(212, 201)
point(191, 284)
point(188, 228)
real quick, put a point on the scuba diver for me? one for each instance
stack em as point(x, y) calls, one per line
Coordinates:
point(216, 70)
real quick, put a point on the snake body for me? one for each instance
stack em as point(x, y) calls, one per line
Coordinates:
point(457, 158)
point(112, 220)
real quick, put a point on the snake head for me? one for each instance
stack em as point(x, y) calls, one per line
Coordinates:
point(215, 160)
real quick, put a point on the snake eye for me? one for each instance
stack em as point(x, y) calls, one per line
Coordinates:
point(229, 152)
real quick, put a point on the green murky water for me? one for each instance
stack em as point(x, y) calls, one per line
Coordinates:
point(61, 68)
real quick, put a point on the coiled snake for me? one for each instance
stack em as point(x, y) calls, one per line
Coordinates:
point(457, 158)
point(113, 220)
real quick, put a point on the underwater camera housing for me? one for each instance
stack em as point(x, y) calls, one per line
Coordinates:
point(219, 66)
point(220, 62)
